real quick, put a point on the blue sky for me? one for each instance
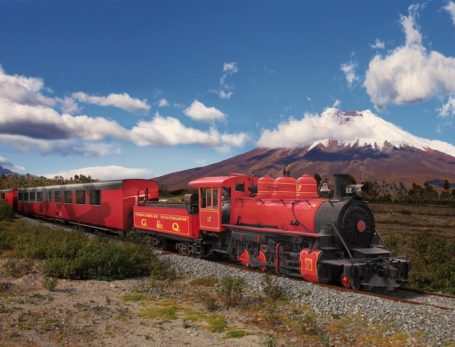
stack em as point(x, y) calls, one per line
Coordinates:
point(155, 87)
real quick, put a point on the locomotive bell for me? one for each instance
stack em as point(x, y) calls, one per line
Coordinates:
point(324, 188)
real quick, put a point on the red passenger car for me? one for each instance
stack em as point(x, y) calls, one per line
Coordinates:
point(105, 205)
point(9, 196)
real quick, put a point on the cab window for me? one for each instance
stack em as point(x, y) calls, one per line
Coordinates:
point(215, 197)
point(203, 193)
point(209, 197)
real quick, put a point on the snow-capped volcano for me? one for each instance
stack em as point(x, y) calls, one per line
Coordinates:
point(359, 143)
point(359, 128)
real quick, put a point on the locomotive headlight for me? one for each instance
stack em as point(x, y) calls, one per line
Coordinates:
point(354, 190)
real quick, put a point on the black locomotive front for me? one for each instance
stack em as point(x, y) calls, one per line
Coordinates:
point(353, 249)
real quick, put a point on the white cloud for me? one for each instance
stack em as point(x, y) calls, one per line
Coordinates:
point(349, 72)
point(163, 103)
point(410, 26)
point(378, 44)
point(347, 128)
point(68, 105)
point(169, 131)
point(6, 164)
point(336, 103)
point(226, 90)
point(61, 147)
point(410, 73)
point(198, 111)
point(24, 90)
point(230, 67)
point(41, 122)
point(122, 101)
point(450, 7)
point(448, 109)
point(31, 125)
point(111, 172)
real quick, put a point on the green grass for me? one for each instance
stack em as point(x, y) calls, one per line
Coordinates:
point(235, 333)
point(217, 323)
point(208, 281)
point(72, 255)
point(166, 313)
point(133, 297)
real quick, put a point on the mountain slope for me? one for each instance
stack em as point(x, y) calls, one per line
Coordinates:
point(359, 143)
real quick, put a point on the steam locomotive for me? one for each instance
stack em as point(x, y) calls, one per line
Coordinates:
point(281, 224)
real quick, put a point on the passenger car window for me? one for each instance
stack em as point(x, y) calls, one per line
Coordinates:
point(32, 196)
point(80, 197)
point(58, 197)
point(39, 196)
point(95, 197)
point(68, 196)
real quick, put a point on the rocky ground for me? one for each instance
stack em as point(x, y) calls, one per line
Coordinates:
point(189, 307)
point(436, 326)
point(178, 312)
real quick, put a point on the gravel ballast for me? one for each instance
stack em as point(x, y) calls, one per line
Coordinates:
point(435, 323)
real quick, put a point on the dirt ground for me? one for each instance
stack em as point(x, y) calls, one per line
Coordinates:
point(118, 313)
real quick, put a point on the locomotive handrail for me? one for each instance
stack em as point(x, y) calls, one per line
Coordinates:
point(270, 230)
point(342, 241)
point(295, 218)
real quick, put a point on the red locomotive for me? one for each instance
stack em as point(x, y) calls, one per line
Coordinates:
point(270, 224)
point(280, 224)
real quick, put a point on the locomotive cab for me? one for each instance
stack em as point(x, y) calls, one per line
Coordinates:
point(216, 196)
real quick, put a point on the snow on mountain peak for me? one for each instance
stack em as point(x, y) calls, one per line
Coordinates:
point(358, 128)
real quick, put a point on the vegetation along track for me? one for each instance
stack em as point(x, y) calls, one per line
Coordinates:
point(403, 295)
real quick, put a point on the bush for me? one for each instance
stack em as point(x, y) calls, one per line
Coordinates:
point(231, 291)
point(72, 255)
point(432, 263)
point(18, 267)
point(6, 212)
point(217, 323)
point(271, 289)
point(50, 283)
point(100, 259)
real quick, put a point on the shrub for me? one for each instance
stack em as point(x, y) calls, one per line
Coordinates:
point(217, 323)
point(271, 289)
point(6, 212)
point(101, 259)
point(433, 263)
point(50, 283)
point(18, 267)
point(72, 255)
point(231, 291)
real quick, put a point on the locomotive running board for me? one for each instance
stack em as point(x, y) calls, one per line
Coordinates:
point(269, 230)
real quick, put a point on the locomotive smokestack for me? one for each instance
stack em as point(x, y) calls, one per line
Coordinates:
point(341, 182)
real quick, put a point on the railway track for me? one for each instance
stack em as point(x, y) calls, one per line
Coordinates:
point(401, 295)
point(394, 296)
